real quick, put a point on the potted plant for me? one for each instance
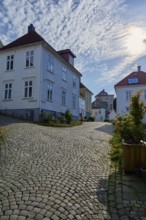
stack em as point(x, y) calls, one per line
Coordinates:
point(131, 130)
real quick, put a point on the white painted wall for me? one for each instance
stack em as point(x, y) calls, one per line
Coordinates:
point(82, 106)
point(122, 103)
point(99, 114)
point(17, 76)
point(58, 84)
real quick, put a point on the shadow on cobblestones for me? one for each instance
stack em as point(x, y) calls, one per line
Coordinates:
point(106, 128)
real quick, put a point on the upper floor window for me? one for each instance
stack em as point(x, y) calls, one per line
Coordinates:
point(74, 81)
point(50, 92)
point(28, 89)
point(50, 63)
point(10, 62)
point(63, 97)
point(29, 58)
point(64, 73)
point(128, 95)
point(74, 101)
point(8, 91)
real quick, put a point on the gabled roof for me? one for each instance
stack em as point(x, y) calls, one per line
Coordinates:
point(134, 78)
point(29, 38)
point(84, 87)
point(102, 93)
point(66, 51)
point(99, 104)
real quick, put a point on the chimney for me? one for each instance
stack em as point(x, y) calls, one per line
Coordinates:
point(31, 28)
point(139, 68)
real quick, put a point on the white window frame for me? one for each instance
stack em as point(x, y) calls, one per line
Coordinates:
point(10, 62)
point(28, 89)
point(50, 63)
point(64, 73)
point(74, 101)
point(8, 91)
point(144, 94)
point(50, 91)
point(29, 58)
point(63, 97)
point(74, 81)
point(128, 95)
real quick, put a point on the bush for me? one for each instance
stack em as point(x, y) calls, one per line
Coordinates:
point(68, 117)
point(90, 119)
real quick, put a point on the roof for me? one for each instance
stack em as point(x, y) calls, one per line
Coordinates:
point(134, 78)
point(66, 51)
point(99, 104)
point(102, 93)
point(84, 87)
point(33, 37)
point(29, 38)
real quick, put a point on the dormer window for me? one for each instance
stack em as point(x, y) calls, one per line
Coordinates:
point(133, 80)
point(10, 62)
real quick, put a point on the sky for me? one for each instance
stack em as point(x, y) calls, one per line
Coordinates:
point(108, 37)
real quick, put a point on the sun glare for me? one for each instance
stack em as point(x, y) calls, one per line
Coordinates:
point(134, 41)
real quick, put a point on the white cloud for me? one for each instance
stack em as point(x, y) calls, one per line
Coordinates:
point(94, 30)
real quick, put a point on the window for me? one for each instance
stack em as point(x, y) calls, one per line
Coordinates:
point(28, 89)
point(10, 62)
point(63, 97)
point(50, 92)
point(29, 58)
point(50, 63)
point(64, 73)
point(99, 111)
point(74, 81)
point(128, 95)
point(74, 101)
point(8, 91)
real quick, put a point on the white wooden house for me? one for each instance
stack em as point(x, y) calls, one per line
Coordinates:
point(127, 87)
point(35, 78)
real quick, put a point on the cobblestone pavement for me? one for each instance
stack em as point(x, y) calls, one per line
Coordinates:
point(54, 173)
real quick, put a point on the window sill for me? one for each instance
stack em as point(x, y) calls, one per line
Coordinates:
point(29, 67)
point(50, 72)
point(64, 80)
point(9, 70)
point(28, 98)
point(7, 100)
point(49, 100)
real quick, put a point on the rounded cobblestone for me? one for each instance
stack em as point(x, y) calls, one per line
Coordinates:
point(54, 173)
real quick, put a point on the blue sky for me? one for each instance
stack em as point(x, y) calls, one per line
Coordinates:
point(108, 37)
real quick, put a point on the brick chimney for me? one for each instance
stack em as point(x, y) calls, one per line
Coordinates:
point(139, 68)
point(31, 28)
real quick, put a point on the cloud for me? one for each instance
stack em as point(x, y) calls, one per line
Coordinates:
point(96, 31)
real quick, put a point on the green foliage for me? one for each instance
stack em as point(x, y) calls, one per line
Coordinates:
point(91, 118)
point(62, 119)
point(116, 149)
point(68, 117)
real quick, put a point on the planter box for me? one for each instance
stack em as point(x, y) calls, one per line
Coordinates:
point(134, 156)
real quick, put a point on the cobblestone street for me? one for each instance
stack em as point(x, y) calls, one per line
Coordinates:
point(54, 173)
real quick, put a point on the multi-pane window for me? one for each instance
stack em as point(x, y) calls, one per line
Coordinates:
point(8, 91)
point(128, 95)
point(63, 97)
point(50, 63)
point(29, 58)
point(50, 92)
point(28, 89)
point(10, 62)
point(74, 101)
point(64, 73)
point(74, 81)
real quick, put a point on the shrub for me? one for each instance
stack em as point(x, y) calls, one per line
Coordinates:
point(90, 119)
point(62, 119)
point(68, 117)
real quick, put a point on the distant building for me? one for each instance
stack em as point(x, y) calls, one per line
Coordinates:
point(128, 86)
point(87, 94)
point(102, 101)
point(36, 79)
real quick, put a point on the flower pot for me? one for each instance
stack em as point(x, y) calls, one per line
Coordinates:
point(143, 171)
point(134, 156)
